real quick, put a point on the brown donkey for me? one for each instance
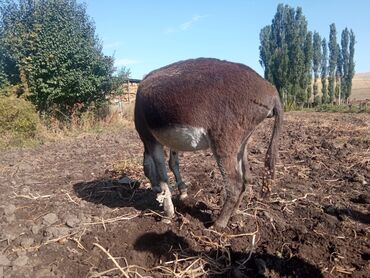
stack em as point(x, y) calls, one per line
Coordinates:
point(205, 103)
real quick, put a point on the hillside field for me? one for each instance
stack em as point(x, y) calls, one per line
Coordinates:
point(361, 86)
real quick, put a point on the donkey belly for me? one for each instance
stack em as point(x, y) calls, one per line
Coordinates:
point(182, 138)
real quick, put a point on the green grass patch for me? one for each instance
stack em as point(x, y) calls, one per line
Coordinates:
point(19, 122)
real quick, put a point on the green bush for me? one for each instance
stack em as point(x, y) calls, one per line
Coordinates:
point(19, 122)
point(49, 48)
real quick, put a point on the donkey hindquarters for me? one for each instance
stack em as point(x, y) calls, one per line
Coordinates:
point(201, 103)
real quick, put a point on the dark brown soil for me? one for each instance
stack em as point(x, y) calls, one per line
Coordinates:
point(62, 202)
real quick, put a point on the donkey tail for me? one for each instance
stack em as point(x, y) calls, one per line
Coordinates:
point(272, 151)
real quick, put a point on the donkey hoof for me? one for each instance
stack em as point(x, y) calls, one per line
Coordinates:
point(219, 225)
point(160, 198)
point(166, 220)
point(183, 195)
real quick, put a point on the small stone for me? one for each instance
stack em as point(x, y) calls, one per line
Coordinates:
point(35, 229)
point(72, 221)
point(50, 219)
point(56, 232)
point(27, 242)
point(4, 261)
point(63, 231)
point(9, 209)
point(26, 189)
point(20, 261)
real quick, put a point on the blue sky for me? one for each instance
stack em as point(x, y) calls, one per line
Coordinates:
point(147, 34)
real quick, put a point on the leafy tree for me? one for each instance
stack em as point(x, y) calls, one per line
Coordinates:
point(266, 52)
point(351, 63)
point(290, 54)
point(308, 56)
point(279, 54)
point(58, 58)
point(296, 27)
point(345, 61)
point(324, 71)
point(3, 75)
point(317, 56)
point(8, 70)
point(339, 75)
point(333, 57)
point(122, 76)
point(282, 54)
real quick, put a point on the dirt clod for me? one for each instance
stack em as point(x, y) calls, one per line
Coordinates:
point(50, 219)
point(27, 242)
point(72, 221)
point(20, 261)
point(35, 229)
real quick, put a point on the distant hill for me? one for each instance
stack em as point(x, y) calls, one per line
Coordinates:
point(361, 86)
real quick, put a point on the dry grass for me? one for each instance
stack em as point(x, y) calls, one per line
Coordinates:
point(59, 126)
point(84, 123)
point(186, 265)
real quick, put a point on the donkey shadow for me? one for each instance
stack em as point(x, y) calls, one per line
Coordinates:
point(259, 264)
point(113, 194)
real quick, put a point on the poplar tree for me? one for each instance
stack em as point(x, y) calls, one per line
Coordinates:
point(266, 52)
point(345, 62)
point(351, 63)
point(333, 57)
point(290, 54)
point(324, 72)
point(339, 75)
point(279, 44)
point(308, 56)
point(316, 60)
point(283, 47)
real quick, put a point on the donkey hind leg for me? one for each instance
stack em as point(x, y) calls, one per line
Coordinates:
point(244, 173)
point(150, 171)
point(164, 197)
point(175, 168)
point(231, 172)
